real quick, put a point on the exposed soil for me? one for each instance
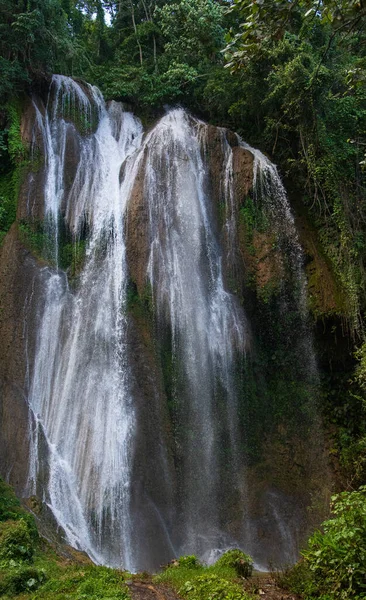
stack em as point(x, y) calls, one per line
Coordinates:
point(264, 586)
point(147, 591)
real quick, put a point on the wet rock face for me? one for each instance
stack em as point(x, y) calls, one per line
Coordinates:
point(31, 193)
point(137, 232)
point(19, 289)
point(215, 143)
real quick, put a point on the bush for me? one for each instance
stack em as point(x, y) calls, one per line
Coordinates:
point(15, 541)
point(236, 559)
point(212, 587)
point(296, 578)
point(24, 579)
point(189, 562)
point(102, 582)
point(337, 557)
point(10, 509)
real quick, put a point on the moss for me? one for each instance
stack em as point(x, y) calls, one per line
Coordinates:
point(34, 238)
point(260, 252)
point(16, 148)
point(72, 257)
point(85, 123)
point(9, 187)
point(16, 165)
point(139, 304)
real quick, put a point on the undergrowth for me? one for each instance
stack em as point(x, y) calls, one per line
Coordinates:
point(334, 565)
point(194, 581)
point(30, 569)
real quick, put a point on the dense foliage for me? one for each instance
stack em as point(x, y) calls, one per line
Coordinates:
point(29, 568)
point(337, 557)
point(334, 564)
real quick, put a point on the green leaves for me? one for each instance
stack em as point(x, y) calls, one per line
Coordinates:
point(192, 30)
point(211, 587)
point(236, 559)
point(267, 22)
point(337, 557)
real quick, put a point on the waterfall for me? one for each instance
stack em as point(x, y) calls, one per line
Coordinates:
point(80, 390)
point(206, 322)
point(87, 379)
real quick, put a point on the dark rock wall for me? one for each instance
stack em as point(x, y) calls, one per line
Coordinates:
point(19, 290)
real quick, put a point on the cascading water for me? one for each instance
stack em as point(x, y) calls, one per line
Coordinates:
point(85, 382)
point(206, 322)
point(80, 389)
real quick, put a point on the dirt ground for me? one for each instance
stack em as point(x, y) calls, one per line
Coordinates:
point(264, 586)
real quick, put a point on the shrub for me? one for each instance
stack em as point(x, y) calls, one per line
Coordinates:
point(236, 559)
point(15, 541)
point(102, 582)
point(212, 587)
point(10, 508)
point(24, 579)
point(189, 562)
point(296, 578)
point(337, 557)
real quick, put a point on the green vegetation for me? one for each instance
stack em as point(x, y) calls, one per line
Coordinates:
point(72, 256)
point(195, 581)
point(210, 587)
point(337, 557)
point(29, 569)
point(11, 510)
point(289, 76)
point(334, 565)
point(12, 155)
point(236, 559)
point(302, 59)
point(294, 86)
point(189, 561)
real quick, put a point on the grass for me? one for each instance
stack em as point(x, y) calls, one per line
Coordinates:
point(177, 576)
point(49, 577)
point(31, 570)
point(203, 583)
